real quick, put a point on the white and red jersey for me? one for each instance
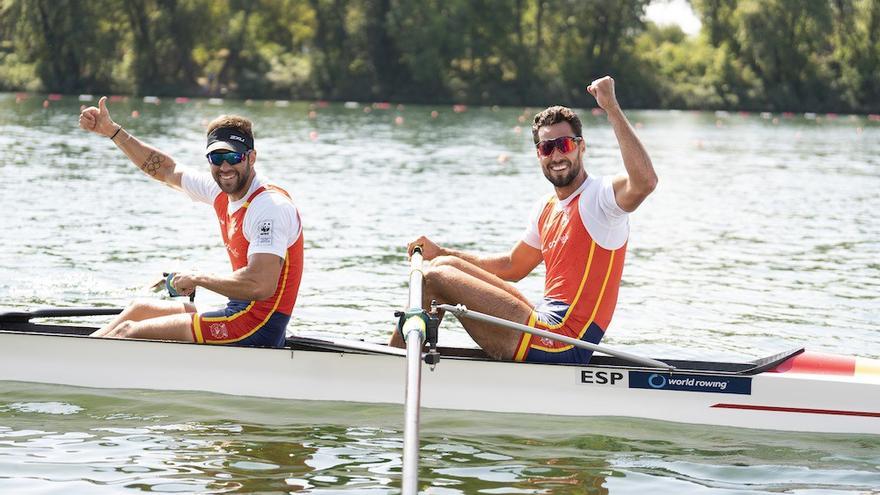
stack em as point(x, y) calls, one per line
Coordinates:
point(583, 242)
point(265, 220)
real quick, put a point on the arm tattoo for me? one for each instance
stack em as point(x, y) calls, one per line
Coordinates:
point(153, 163)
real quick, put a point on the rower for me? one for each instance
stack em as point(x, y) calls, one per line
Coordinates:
point(580, 233)
point(260, 227)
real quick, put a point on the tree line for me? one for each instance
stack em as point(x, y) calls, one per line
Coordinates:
point(776, 55)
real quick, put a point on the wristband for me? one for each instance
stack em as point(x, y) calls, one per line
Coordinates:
point(172, 292)
point(115, 133)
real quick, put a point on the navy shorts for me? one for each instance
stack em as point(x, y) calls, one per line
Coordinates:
point(241, 323)
point(550, 316)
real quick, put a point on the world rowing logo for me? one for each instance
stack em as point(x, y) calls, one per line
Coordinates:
point(687, 382)
point(657, 381)
point(219, 331)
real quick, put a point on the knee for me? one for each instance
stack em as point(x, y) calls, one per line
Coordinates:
point(443, 268)
point(436, 276)
point(122, 331)
point(140, 304)
point(447, 261)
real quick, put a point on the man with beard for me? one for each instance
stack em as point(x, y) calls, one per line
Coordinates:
point(580, 233)
point(260, 227)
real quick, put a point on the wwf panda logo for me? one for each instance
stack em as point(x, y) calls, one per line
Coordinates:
point(264, 238)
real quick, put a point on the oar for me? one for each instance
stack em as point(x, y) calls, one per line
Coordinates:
point(23, 316)
point(462, 312)
point(413, 330)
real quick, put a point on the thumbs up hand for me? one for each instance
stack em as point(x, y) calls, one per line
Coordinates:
point(98, 120)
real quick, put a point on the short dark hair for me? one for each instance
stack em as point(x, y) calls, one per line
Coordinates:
point(555, 115)
point(237, 122)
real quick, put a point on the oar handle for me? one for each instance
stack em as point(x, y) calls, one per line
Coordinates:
point(461, 311)
point(172, 292)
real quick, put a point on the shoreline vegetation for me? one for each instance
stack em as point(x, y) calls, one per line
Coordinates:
point(777, 56)
point(394, 108)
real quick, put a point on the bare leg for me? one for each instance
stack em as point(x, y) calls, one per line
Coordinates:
point(479, 273)
point(168, 327)
point(459, 282)
point(145, 309)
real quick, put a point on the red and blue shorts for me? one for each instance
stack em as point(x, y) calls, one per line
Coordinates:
point(241, 323)
point(550, 315)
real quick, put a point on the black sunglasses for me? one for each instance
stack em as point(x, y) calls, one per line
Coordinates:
point(230, 157)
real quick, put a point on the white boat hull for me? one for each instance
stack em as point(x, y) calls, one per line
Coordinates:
point(777, 401)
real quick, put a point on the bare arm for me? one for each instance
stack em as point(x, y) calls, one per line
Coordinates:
point(640, 179)
point(512, 266)
point(255, 282)
point(150, 160)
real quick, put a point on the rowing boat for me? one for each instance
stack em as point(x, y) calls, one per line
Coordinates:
point(791, 391)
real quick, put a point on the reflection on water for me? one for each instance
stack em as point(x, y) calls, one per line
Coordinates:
point(182, 442)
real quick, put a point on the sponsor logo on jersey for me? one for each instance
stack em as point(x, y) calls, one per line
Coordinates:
point(264, 238)
point(561, 240)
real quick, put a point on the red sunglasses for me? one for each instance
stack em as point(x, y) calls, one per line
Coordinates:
point(565, 144)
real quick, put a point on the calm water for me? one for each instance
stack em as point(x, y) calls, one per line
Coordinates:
point(762, 236)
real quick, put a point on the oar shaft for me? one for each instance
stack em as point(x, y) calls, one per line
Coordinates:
point(413, 331)
point(461, 311)
point(57, 313)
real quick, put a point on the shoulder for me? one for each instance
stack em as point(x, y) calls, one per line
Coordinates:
point(594, 185)
point(273, 204)
point(275, 197)
point(540, 207)
point(599, 191)
point(543, 203)
point(199, 185)
point(607, 223)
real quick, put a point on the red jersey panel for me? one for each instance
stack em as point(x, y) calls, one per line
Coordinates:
point(582, 281)
point(284, 298)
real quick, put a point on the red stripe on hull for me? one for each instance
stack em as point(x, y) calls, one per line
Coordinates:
point(799, 410)
point(820, 364)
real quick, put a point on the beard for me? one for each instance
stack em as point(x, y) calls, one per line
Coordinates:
point(235, 185)
point(562, 178)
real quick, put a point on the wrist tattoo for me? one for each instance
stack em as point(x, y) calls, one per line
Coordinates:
point(153, 163)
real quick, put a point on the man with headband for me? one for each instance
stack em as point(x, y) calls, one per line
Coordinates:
point(579, 232)
point(260, 227)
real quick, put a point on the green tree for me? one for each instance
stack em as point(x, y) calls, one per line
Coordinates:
point(782, 41)
point(855, 60)
point(72, 47)
point(392, 77)
point(163, 40)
